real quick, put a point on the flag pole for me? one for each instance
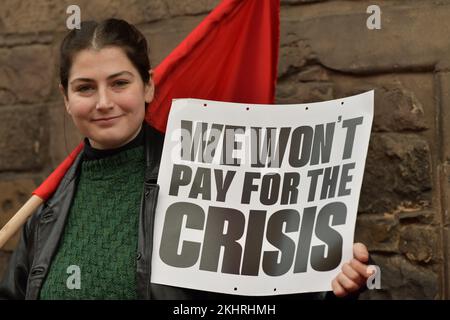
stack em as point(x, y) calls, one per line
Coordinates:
point(19, 219)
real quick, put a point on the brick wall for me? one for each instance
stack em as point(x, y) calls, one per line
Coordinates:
point(326, 52)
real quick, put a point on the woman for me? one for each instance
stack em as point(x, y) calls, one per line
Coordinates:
point(100, 220)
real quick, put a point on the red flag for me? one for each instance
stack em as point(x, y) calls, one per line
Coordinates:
point(231, 56)
point(46, 189)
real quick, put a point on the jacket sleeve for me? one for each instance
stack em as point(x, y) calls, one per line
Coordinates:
point(13, 286)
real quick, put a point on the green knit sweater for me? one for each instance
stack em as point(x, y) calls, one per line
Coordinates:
point(101, 232)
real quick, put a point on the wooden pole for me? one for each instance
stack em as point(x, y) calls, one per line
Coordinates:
point(19, 219)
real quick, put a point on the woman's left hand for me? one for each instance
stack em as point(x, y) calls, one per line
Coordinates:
point(354, 273)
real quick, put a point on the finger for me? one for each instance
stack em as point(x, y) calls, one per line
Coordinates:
point(352, 274)
point(338, 290)
point(347, 283)
point(360, 252)
point(360, 267)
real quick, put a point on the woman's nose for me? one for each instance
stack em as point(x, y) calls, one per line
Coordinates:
point(104, 100)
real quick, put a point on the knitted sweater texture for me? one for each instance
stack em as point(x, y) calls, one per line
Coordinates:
point(96, 258)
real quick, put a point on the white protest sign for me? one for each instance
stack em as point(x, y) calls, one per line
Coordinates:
point(259, 199)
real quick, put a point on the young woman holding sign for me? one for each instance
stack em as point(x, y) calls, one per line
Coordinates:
point(99, 221)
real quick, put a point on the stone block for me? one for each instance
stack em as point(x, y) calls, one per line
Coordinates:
point(135, 11)
point(26, 17)
point(447, 192)
point(21, 16)
point(292, 2)
point(398, 171)
point(303, 92)
point(312, 73)
point(26, 74)
point(164, 36)
point(337, 34)
point(378, 232)
point(23, 137)
point(293, 56)
point(419, 243)
point(443, 79)
point(397, 109)
point(190, 7)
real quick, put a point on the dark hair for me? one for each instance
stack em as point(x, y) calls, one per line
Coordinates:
point(109, 32)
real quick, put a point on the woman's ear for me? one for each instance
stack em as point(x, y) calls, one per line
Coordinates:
point(149, 88)
point(66, 101)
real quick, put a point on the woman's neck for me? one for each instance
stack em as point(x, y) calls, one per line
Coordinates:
point(91, 153)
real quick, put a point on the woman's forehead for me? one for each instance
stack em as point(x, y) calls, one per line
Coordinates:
point(91, 63)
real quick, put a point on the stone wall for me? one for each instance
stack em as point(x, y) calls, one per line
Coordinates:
point(326, 52)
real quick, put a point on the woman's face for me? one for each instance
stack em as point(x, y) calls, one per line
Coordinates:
point(106, 97)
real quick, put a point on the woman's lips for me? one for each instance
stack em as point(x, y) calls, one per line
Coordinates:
point(105, 121)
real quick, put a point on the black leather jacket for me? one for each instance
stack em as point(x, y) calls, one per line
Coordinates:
point(31, 260)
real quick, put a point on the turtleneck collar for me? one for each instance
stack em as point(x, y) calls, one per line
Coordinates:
point(91, 153)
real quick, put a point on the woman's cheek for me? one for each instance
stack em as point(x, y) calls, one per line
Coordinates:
point(129, 103)
point(81, 107)
point(80, 113)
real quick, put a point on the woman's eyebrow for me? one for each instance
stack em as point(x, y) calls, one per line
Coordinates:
point(121, 73)
point(81, 80)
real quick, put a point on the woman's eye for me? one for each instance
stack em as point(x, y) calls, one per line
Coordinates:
point(120, 83)
point(84, 88)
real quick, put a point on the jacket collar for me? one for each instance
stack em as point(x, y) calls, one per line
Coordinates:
point(153, 142)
